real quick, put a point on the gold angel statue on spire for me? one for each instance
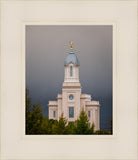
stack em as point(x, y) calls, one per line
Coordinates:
point(71, 45)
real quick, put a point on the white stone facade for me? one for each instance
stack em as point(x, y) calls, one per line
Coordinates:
point(72, 101)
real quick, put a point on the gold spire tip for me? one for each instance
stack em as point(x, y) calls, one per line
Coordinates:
point(71, 45)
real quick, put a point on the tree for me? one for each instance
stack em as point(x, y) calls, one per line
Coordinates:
point(57, 127)
point(61, 125)
point(44, 125)
point(70, 128)
point(28, 113)
point(91, 129)
point(33, 115)
point(82, 124)
point(53, 126)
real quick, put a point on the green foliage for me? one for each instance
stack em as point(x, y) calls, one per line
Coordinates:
point(102, 132)
point(61, 125)
point(36, 123)
point(52, 126)
point(45, 126)
point(58, 127)
point(91, 129)
point(82, 124)
point(70, 128)
point(33, 117)
point(28, 113)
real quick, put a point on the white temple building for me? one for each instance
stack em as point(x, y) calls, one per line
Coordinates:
point(72, 101)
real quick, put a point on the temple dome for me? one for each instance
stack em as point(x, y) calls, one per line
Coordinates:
point(71, 58)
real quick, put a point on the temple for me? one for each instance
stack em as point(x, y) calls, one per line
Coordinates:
point(72, 101)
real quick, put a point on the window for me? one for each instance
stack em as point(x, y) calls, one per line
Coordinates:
point(89, 124)
point(54, 113)
point(71, 97)
point(71, 112)
point(89, 113)
point(71, 71)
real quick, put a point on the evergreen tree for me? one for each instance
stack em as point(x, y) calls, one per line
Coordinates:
point(33, 116)
point(28, 113)
point(70, 128)
point(53, 126)
point(82, 124)
point(61, 125)
point(58, 127)
point(44, 125)
point(91, 129)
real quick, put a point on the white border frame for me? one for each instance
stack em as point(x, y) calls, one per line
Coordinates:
point(14, 145)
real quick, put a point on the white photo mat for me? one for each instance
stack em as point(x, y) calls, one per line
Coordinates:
point(15, 16)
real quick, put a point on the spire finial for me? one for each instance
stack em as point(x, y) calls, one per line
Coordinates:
point(71, 45)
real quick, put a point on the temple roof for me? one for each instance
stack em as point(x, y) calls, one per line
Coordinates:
point(71, 58)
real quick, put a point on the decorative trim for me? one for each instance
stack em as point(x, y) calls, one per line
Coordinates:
point(71, 87)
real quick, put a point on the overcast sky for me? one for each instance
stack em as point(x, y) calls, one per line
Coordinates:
point(46, 50)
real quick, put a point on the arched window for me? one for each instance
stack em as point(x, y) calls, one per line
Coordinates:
point(71, 71)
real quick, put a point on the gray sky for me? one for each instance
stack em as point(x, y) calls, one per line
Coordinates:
point(46, 50)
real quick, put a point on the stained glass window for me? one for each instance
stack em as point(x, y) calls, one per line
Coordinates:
point(71, 112)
